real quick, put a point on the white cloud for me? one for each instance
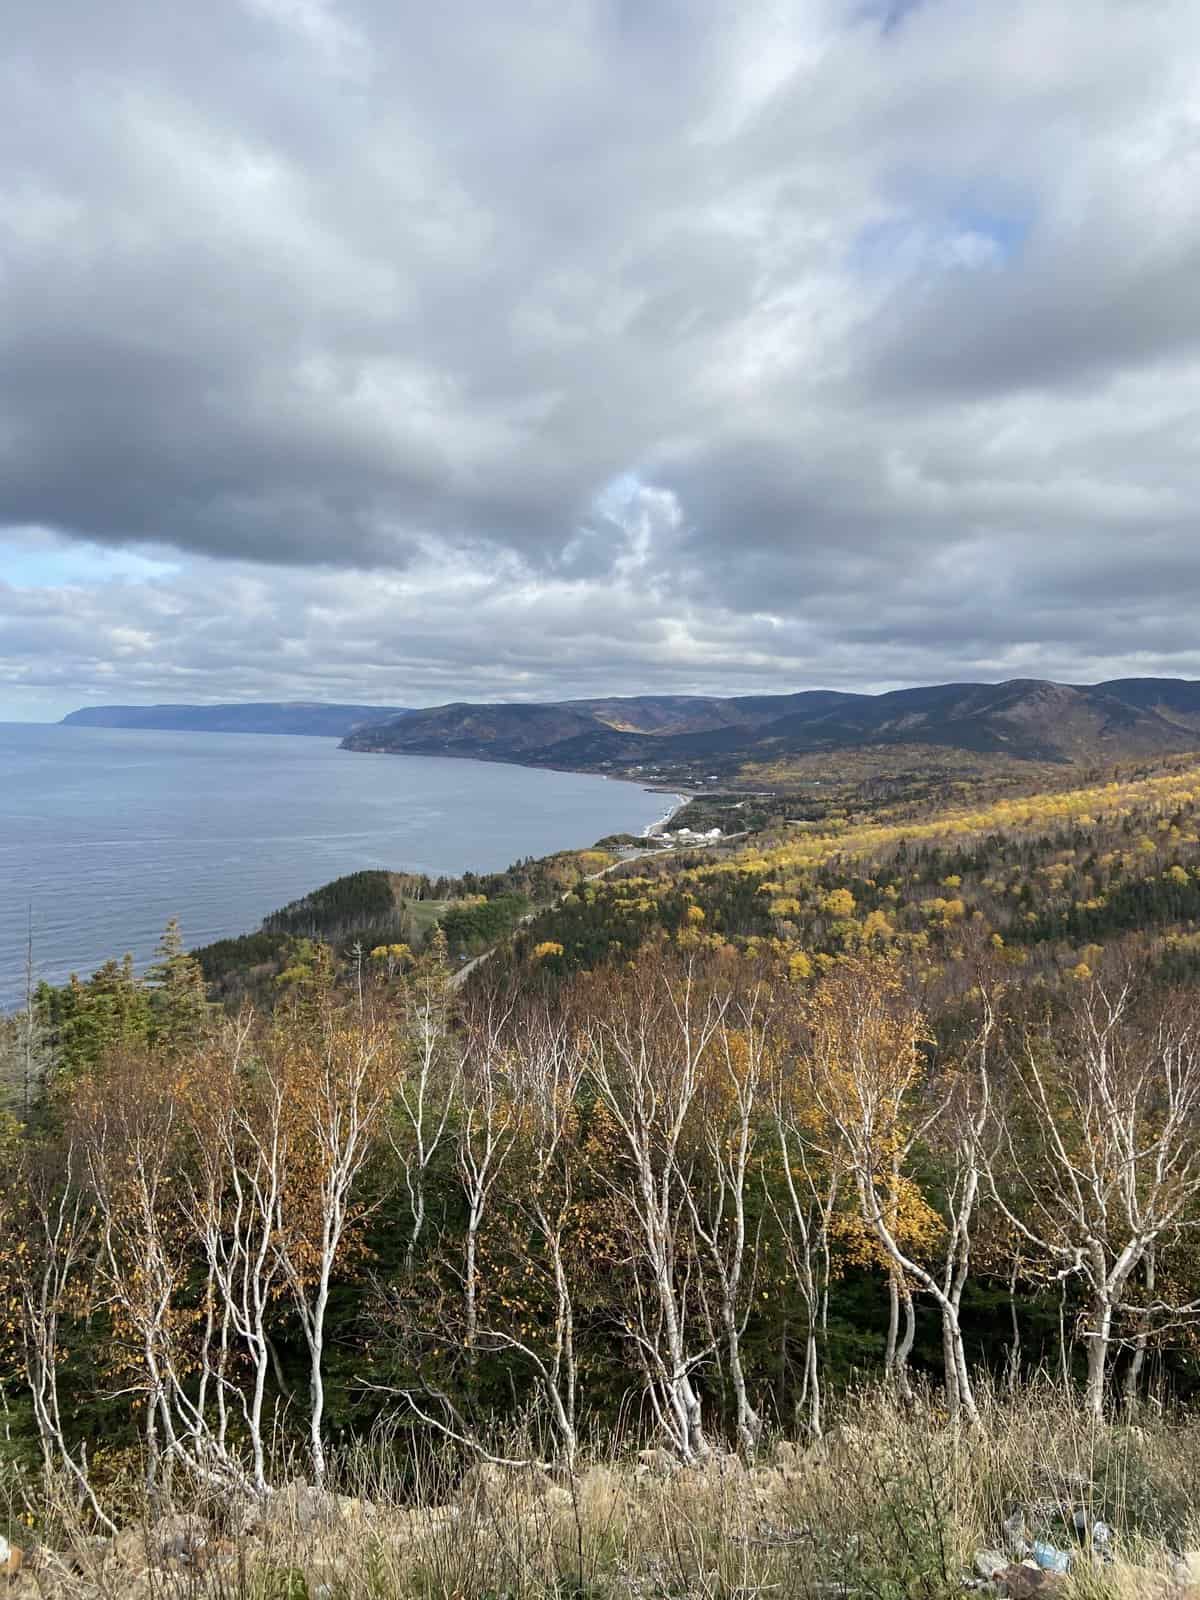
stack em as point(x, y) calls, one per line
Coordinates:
point(541, 349)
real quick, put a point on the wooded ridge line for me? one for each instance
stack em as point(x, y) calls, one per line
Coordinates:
point(765, 740)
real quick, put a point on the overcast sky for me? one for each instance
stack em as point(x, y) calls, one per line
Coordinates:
point(394, 352)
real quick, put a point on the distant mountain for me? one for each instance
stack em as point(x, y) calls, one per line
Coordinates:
point(1174, 698)
point(296, 716)
point(1026, 718)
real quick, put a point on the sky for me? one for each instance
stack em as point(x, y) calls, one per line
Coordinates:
point(375, 351)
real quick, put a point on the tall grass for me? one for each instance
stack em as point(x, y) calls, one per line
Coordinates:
point(892, 1505)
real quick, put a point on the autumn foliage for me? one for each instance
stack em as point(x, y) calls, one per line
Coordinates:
point(699, 1183)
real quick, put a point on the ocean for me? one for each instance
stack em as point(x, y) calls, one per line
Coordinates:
point(107, 833)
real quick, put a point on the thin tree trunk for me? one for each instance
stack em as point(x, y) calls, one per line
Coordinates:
point(1063, 1361)
point(812, 1379)
point(316, 1391)
point(470, 1272)
point(1013, 1371)
point(1099, 1343)
point(907, 1340)
point(749, 1424)
point(950, 1370)
point(899, 1345)
point(1133, 1378)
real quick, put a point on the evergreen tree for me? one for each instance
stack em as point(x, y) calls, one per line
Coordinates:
point(178, 1003)
point(25, 1050)
point(87, 1020)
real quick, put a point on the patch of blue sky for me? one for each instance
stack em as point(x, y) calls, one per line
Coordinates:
point(32, 559)
point(1007, 231)
point(618, 494)
point(963, 236)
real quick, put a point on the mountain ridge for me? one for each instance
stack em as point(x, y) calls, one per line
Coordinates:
point(1027, 719)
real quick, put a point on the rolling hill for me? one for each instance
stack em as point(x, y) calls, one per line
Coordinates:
point(1026, 719)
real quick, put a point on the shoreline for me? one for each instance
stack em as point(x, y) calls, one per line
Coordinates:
point(11, 1001)
point(652, 830)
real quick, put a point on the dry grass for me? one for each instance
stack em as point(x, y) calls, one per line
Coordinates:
point(892, 1505)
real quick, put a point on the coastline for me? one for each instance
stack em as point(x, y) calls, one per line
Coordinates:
point(218, 881)
point(653, 829)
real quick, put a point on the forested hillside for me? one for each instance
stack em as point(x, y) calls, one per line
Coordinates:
point(1047, 883)
point(978, 726)
point(714, 1137)
point(380, 912)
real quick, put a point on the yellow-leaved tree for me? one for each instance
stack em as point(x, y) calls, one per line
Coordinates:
point(865, 1053)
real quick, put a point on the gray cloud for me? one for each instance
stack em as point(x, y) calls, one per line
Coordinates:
point(527, 350)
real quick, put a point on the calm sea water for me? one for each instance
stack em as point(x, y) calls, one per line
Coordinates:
point(106, 833)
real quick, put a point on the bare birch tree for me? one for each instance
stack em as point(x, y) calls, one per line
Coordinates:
point(52, 1274)
point(715, 1187)
point(646, 1059)
point(337, 1074)
point(812, 1182)
point(241, 1130)
point(488, 1131)
point(548, 1070)
point(425, 1091)
point(1108, 1165)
